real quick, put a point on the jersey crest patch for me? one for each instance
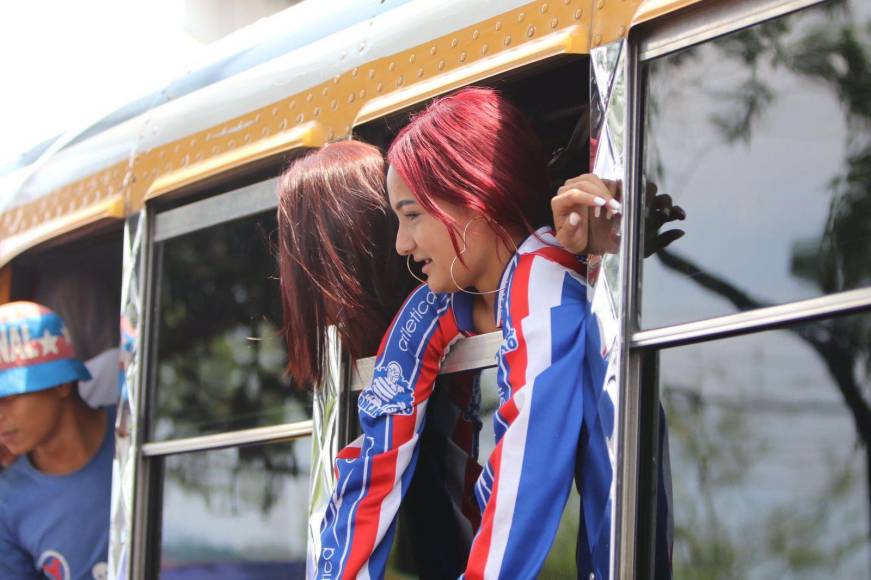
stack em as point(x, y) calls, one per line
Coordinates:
point(389, 393)
point(54, 566)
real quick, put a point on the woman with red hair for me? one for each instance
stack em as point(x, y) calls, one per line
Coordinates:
point(466, 180)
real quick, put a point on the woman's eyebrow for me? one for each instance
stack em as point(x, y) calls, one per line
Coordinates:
point(404, 202)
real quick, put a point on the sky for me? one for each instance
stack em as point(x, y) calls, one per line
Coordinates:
point(65, 63)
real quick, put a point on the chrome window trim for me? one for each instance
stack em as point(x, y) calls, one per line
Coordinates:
point(711, 20)
point(624, 518)
point(467, 354)
point(233, 205)
point(754, 320)
point(257, 435)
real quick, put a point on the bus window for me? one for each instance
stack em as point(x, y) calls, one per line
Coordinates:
point(225, 467)
point(769, 454)
point(236, 512)
point(220, 357)
point(762, 137)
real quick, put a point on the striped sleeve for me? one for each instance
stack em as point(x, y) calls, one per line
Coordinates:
point(374, 472)
point(527, 480)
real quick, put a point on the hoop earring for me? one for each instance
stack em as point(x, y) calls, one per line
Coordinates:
point(410, 271)
point(465, 246)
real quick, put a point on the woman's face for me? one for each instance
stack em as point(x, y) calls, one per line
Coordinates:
point(427, 240)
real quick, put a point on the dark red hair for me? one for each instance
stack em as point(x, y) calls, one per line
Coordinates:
point(335, 254)
point(476, 150)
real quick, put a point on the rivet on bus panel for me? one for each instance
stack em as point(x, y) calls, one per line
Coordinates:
point(454, 43)
point(433, 50)
point(441, 65)
point(379, 87)
point(554, 22)
point(543, 8)
point(484, 49)
point(334, 105)
point(530, 32)
point(400, 81)
point(411, 59)
point(498, 26)
point(578, 14)
point(391, 67)
point(420, 72)
point(507, 40)
point(521, 16)
point(476, 34)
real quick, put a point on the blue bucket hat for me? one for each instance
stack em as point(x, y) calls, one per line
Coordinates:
point(35, 350)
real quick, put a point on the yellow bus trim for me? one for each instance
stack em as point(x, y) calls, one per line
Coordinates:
point(309, 134)
point(572, 40)
point(108, 209)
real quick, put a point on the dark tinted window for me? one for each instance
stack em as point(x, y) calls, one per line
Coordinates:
point(769, 443)
point(236, 513)
point(764, 138)
point(220, 357)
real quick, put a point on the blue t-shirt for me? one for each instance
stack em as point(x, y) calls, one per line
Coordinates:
point(57, 526)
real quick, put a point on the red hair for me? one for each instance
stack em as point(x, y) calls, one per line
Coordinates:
point(476, 150)
point(335, 255)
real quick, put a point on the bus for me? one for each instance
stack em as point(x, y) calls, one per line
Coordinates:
point(752, 331)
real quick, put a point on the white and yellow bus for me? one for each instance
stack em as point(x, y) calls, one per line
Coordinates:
point(753, 330)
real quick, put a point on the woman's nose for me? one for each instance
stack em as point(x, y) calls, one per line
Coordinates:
point(404, 242)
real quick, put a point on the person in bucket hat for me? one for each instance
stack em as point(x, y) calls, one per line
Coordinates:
point(55, 497)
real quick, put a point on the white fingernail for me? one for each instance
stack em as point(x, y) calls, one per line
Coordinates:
point(574, 219)
point(600, 201)
point(609, 215)
point(615, 205)
point(597, 212)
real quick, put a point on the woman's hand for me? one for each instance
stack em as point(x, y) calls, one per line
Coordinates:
point(586, 215)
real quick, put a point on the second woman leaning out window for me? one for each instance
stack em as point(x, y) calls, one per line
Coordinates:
point(466, 179)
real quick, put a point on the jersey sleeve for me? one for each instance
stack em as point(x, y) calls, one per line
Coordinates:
point(374, 472)
point(541, 375)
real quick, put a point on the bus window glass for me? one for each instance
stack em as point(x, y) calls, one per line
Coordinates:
point(764, 138)
point(236, 513)
point(440, 502)
point(220, 356)
point(769, 446)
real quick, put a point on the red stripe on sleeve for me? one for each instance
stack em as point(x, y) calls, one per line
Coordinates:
point(481, 546)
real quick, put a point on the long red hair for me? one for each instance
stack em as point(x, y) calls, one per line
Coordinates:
point(335, 254)
point(476, 150)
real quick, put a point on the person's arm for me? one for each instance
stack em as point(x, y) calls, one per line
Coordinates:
point(15, 563)
point(373, 473)
point(528, 477)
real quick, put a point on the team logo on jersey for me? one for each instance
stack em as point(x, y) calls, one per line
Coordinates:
point(54, 566)
point(389, 393)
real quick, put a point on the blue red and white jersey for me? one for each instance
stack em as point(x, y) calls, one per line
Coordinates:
point(552, 412)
